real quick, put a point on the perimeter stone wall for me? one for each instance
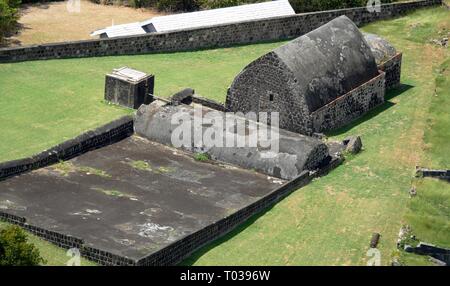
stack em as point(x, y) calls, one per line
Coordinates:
point(246, 32)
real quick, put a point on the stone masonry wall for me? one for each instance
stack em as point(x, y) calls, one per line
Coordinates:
point(61, 240)
point(67, 241)
point(350, 106)
point(102, 136)
point(208, 103)
point(209, 37)
point(393, 69)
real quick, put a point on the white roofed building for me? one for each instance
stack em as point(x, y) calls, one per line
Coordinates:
point(200, 19)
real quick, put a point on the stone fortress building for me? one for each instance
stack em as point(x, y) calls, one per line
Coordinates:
point(320, 81)
point(155, 204)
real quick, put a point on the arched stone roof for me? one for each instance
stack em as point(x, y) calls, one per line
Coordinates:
point(381, 49)
point(329, 61)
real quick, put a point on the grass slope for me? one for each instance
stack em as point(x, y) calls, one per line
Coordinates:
point(329, 222)
point(428, 213)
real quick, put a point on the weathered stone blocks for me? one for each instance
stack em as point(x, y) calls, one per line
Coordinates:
point(387, 59)
point(350, 106)
point(295, 152)
point(317, 82)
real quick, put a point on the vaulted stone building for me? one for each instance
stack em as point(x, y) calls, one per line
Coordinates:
point(387, 58)
point(319, 81)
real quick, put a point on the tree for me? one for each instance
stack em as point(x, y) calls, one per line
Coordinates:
point(15, 250)
point(8, 15)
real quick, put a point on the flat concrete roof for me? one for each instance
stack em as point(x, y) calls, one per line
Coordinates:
point(132, 198)
point(128, 74)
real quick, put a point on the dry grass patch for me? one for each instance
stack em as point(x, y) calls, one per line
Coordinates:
point(51, 22)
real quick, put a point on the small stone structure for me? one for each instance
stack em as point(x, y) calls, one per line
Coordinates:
point(319, 81)
point(129, 87)
point(297, 153)
point(387, 59)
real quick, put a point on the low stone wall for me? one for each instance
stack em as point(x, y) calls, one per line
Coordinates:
point(440, 174)
point(102, 136)
point(67, 242)
point(208, 103)
point(350, 106)
point(393, 69)
point(61, 240)
point(209, 37)
point(105, 258)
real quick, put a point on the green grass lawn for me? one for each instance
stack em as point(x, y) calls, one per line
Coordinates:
point(46, 102)
point(330, 221)
point(428, 214)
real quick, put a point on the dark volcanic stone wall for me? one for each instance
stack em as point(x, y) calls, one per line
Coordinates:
point(387, 59)
point(209, 37)
point(268, 85)
point(393, 69)
point(68, 241)
point(350, 106)
point(102, 136)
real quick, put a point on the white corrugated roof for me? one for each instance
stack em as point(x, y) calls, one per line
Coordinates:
point(121, 30)
point(221, 16)
point(204, 18)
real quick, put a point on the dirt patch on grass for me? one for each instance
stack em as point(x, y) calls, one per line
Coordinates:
point(52, 22)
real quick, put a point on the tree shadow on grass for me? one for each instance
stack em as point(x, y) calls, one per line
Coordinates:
point(199, 253)
point(374, 112)
point(9, 39)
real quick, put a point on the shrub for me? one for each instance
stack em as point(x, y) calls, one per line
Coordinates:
point(298, 5)
point(178, 5)
point(8, 15)
point(15, 250)
point(202, 157)
point(136, 3)
point(39, 1)
point(320, 5)
point(191, 5)
point(213, 4)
